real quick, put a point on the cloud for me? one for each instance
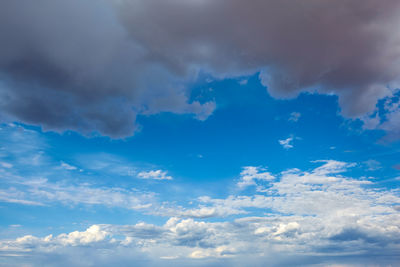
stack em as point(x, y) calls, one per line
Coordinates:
point(318, 216)
point(321, 215)
point(250, 174)
point(391, 120)
point(294, 116)
point(42, 192)
point(154, 175)
point(12, 195)
point(91, 235)
point(118, 59)
point(84, 74)
point(286, 143)
point(320, 192)
point(351, 52)
point(38, 179)
point(385, 117)
point(6, 165)
point(67, 166)
point(243, 82)
point(331, 166)
point(293, 191)
point(373, 165)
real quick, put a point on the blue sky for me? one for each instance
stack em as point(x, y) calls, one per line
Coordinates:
point(199, 133)
point(232, 168)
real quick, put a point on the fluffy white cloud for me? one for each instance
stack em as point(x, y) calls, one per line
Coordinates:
point(317, 216)
point(250, 174)
point(92, 235)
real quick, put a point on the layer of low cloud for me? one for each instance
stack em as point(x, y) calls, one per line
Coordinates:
point(320, 215)
point(310, 217)
point(117, 59)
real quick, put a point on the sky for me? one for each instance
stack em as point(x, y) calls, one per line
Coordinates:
point(199, 133)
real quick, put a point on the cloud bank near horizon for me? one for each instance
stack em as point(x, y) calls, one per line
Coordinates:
point(309, 217)
point(95, 65)
point(325, 212)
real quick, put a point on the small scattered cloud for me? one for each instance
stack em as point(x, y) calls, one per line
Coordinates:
point(372, 165)
point(371, 123)
point(294, 116)
point(331, 167)
point(250, 175)
point(6, 165)
point(243, 82)
point(287, 143)
point(154, 175)
point(67, 166)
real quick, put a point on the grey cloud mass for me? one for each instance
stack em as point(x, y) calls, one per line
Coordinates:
point(95, 65)
point(72, 65)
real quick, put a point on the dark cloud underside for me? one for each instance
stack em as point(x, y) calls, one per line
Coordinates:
point(94, 65)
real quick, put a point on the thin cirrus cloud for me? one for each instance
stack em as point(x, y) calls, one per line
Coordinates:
point(44, 193)
point(118, 59)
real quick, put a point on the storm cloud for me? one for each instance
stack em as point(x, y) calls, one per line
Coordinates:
point(95, 65)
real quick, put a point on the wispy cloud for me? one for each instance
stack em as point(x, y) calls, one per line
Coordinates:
point(243, 82)
point(372, 165)
point(67, 166)
point(294, 116)
point(154, 175)
point(251, 174)
point(322, 212)
point(286, 143)
point(318, 212)
point(42, 192)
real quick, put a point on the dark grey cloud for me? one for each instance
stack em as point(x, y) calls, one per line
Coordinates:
point(71, 65)
point(357, 234)
point(344, 47)
point(94, 65)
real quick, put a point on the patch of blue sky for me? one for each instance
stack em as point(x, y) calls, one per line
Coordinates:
point(56, 183)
